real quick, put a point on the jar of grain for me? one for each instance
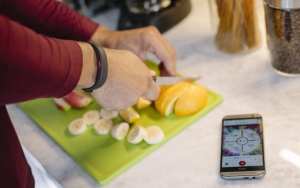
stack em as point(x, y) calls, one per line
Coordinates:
point(238, 28)
point(283, 34)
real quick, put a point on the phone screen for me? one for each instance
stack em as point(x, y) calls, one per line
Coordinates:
point(242, 145)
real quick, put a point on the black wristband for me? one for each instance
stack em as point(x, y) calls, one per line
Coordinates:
point(102, 68)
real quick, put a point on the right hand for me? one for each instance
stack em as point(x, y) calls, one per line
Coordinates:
point(139, 41)
point(128, 79)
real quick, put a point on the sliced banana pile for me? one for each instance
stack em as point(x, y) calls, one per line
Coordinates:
point(103, 125)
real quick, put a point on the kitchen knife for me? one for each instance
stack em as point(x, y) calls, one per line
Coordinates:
point(169, 80)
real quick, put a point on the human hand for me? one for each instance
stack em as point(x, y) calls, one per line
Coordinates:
point(139, 41)
point(128, 80)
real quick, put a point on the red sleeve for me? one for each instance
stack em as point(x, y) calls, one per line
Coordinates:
point(50, 17)
point(33, 66)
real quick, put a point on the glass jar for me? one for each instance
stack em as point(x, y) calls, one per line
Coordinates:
point(283, 34)
point(238, 27)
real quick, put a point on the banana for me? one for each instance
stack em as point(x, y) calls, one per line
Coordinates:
point(103, 126)
point(108, 114)
point(154, 135)
point(136, 134)
point(119, 131)
point(130, 115)
point(91, 117)
point(77, 127)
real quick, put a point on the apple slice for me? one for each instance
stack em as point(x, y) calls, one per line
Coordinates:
point(78, 99)
point(61, 104)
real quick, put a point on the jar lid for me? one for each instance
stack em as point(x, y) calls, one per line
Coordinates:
point(284, 4)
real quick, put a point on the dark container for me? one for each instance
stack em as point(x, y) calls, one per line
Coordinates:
point(283, 35)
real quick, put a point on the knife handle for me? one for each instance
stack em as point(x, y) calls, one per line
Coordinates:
point(163, 70)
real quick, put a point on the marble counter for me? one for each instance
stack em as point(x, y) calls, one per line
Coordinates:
point(247, 83)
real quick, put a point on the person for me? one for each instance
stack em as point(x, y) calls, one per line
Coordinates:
point(44, 52)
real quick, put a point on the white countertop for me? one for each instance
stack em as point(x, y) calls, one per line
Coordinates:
point(247, 83)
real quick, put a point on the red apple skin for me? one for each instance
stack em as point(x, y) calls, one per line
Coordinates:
point(78, 99)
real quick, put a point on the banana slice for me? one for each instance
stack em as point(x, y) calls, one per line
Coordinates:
point(130, 115)
point(108, 114)
point(119, 131)
point(136, 134)
point(154, 135)
point(91, 117)
point(142, 103)
point(77, 127)
point(103, 126)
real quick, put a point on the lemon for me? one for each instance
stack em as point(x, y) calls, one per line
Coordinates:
point(168, 96)
point(184, 98)
point(193, 100)
point(142, 103)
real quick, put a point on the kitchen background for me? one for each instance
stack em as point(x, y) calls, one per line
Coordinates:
point(248, 84)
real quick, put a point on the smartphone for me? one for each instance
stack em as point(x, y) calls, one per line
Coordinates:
point(242, 148)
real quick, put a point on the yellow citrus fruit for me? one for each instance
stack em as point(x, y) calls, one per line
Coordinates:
point(184, 98)
point(142, 103)
point(168, 96)
point(164, 87)
point(193, 100)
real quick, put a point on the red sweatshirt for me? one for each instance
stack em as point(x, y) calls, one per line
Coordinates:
point(34, 64)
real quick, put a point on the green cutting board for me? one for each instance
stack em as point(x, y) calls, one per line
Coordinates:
point(101, 156)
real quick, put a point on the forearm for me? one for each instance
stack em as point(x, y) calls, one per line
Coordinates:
point(34, 66)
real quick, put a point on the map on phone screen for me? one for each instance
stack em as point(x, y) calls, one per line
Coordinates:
point(242, 144)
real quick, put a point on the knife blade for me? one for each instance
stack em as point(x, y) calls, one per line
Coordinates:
point(169, 80)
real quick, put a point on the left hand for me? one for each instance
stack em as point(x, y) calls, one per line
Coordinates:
point(139, 41)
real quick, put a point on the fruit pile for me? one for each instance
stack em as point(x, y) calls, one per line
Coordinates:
point(182, 99)
point(102, 122)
